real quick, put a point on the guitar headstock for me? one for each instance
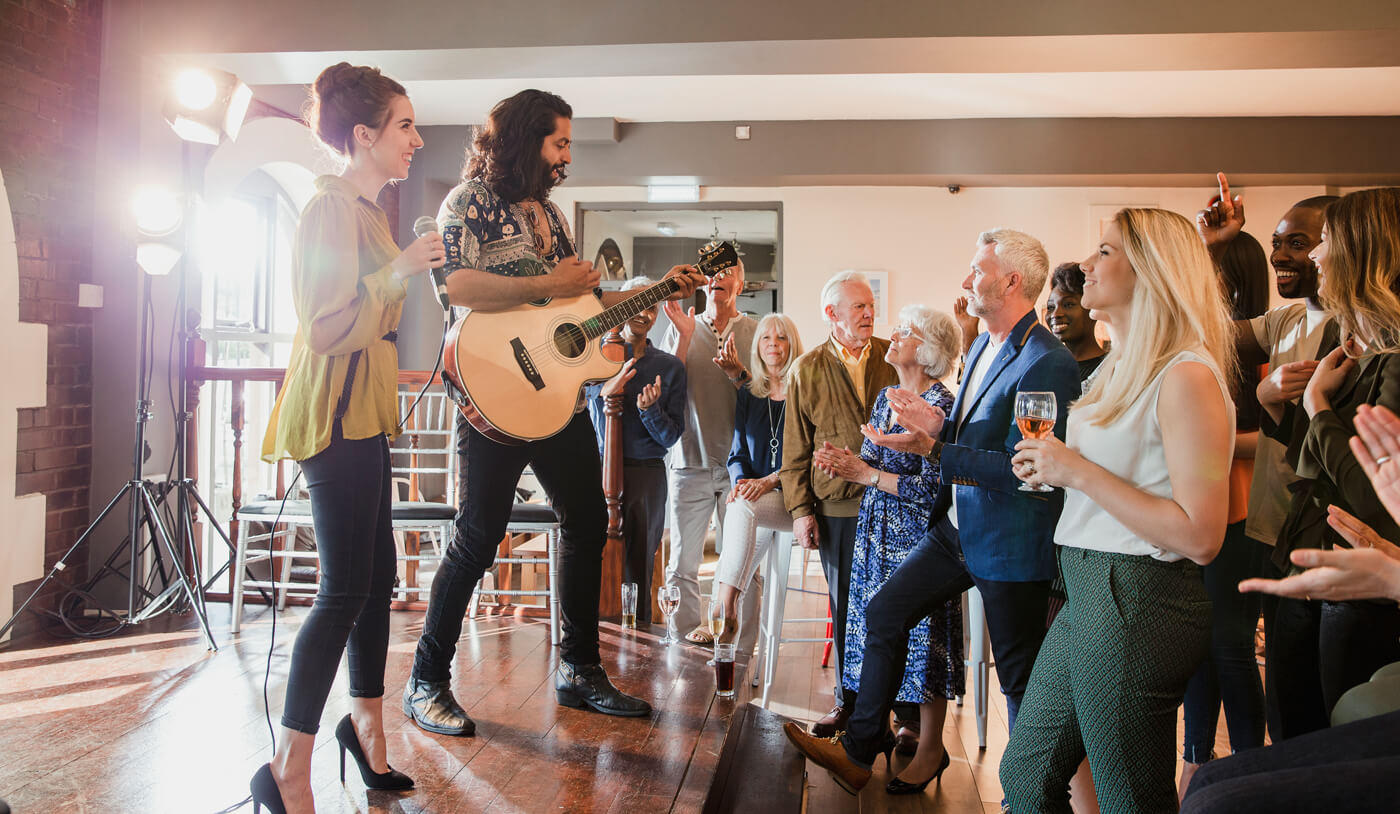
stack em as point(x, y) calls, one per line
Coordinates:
point(718, 259)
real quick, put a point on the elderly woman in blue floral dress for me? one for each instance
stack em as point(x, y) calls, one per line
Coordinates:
point(893, 517)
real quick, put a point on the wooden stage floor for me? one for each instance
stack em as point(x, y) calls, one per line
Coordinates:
point(151, 722)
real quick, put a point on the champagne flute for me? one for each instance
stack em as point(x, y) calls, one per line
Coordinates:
point(1035, 416)
point(715, 617)
point(668, 598)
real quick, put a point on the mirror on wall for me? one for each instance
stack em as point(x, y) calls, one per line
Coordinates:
point(628, 240)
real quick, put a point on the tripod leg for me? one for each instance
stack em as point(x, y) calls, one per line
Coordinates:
point(63, 561)
point(185, 581)
point(233, 549)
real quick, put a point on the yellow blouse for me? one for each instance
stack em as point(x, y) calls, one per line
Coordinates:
point(346, 299)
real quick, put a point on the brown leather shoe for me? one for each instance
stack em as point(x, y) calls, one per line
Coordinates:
point(833, 724)
point(906, 737)
point(829, 754)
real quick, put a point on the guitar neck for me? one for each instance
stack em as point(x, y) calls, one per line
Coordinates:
point(616, 315)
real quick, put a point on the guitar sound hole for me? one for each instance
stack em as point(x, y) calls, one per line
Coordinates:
point(569, 341)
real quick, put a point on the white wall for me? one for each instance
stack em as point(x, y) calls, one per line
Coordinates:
point(925, 237)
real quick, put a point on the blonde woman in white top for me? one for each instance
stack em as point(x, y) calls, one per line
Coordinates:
point(1144, 468)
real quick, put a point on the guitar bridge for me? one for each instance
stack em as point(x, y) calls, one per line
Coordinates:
point(527, 365)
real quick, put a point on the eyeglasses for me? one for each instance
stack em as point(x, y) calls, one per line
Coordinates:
point(904, 331)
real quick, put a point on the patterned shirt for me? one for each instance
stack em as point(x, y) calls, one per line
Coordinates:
point(481, 231)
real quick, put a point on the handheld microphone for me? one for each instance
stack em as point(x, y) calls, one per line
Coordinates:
point(424, 226)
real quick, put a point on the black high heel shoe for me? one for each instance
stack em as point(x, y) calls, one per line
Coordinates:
point(897, 786)
point(392, 780)
point(265, 791)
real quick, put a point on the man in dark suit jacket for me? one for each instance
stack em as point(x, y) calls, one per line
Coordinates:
point(983, 530)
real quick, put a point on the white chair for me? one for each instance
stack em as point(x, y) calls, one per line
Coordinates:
point(771, 621)
point(527, 519)
point(430, 436)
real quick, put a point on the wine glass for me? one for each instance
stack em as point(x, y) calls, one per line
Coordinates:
point(668, 598)
point(715, 617)
point(1035, 416)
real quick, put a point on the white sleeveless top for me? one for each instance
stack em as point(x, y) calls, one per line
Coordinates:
point(1130, 448)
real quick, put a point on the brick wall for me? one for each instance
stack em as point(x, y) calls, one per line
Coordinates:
point(49, 62)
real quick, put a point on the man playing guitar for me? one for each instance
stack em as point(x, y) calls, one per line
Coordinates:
point(508, 244)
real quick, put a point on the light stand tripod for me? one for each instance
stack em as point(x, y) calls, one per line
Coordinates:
point(142, 510)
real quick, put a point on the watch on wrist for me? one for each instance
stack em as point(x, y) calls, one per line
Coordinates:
point(875, 478)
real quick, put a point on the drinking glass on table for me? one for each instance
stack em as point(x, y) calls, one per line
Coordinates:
point(1035, 416)
point(715, 616)
point(724, 669)
point(668, 598)
point(629, 605)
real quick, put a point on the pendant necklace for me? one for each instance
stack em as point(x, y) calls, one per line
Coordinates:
point(775, 432)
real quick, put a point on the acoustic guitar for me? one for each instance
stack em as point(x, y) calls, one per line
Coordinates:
point(516, 374)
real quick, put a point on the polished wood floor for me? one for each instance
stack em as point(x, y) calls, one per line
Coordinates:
point(152, 722)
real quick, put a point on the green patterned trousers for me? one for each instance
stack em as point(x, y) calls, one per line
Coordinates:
point(1107, 684)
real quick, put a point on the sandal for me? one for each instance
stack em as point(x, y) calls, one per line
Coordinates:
point(700, 635)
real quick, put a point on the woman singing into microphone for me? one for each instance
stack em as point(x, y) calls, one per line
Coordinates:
point(335, 416)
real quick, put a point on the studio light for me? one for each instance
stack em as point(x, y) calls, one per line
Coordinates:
point(158, 211)
point(205, 105)
point(158, 215)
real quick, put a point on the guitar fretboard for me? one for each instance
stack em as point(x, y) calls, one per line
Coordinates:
point(612, 317)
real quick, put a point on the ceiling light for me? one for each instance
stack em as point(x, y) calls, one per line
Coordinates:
point(666, 228)
point(673, 193)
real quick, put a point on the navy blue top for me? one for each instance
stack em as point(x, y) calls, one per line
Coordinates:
point(646, 434)
point(751, 455)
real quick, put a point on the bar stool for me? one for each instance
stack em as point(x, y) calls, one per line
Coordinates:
point(771, 621)
point(978, 658)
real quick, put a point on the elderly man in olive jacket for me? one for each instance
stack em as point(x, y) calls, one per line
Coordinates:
point(833, 389)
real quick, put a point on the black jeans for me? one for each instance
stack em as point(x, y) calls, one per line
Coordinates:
point(1342, 770)
point(568, 467)
point(933, 573)
point(1323, 649)
point(643, 522)
point(836, 542)
point(350, 485)
point(1230, 673)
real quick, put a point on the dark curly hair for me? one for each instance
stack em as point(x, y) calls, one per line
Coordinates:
point(505, 152)
point(1068, 277)
point(345, 95)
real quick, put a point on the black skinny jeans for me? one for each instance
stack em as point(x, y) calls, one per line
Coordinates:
point(351, 506)
point(934, 572)
point(1323, 649)
point(1230, 674)
point(568, 467)
point(643, 523)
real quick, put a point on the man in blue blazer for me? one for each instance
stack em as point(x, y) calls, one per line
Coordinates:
point(983, 530)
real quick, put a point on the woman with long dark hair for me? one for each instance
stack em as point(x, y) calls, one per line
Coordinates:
point(1321, 649)
point(335, 416)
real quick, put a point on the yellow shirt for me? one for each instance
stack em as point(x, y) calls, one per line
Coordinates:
point(346, 299)
point(855, 365)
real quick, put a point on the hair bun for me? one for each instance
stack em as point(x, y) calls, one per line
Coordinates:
point(345, 95)
point(337, 78)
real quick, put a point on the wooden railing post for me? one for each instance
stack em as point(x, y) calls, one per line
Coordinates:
point(236, 423)
point(609, 596)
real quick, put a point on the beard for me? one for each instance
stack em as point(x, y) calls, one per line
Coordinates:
point(554, 175)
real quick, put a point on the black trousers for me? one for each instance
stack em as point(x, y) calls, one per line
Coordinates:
point(1347, 769)
point(643, 521)
point(568, 467)
point(350, 486)
point(1323, 649)
point(836, 541)
point(933, 573)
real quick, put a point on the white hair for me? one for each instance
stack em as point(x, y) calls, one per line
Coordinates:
point(1023, 254)
point(831, 292)
point(636, 282)
point(941, 338)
